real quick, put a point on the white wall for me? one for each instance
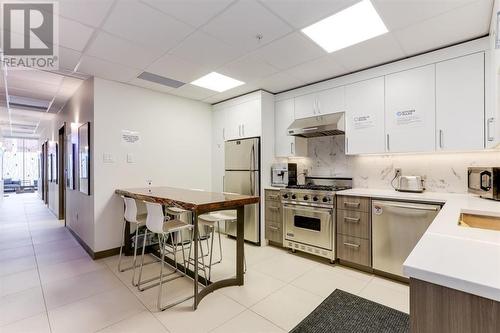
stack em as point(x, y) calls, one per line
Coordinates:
point(174, 150)
point(444, 172)
point(79, 207)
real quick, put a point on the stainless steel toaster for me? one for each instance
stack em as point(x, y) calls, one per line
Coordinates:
point(410, 184)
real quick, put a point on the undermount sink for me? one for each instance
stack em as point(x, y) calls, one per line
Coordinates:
point(479, 221)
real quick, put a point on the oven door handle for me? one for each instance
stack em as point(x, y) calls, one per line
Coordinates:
point(308, 209)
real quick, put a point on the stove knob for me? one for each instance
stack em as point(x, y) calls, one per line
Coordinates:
point(294, 196)
point(315, 198)
point(285, 195)
point(306, 197)
point(325, 199)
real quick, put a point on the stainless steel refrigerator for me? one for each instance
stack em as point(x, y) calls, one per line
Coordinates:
point(242, 175)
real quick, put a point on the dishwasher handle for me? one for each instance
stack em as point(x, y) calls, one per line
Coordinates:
point(407, 206)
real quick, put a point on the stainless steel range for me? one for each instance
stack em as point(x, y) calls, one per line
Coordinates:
point(309, 215)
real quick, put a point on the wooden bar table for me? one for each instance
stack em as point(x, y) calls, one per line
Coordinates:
point(201, 202)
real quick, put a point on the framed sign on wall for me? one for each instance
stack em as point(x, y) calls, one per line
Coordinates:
point(84, 158)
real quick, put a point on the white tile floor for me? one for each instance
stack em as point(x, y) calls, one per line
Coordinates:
point(49, 284)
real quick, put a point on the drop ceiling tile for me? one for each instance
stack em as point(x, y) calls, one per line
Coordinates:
point(240, 24)
point(192, 92)
point(455, 26)
point(150, 85)
point(204, 50)
point(193, 12)
point(398, 14)
point(248, 68)
point(175, 68)
point(107, 70)
point(73, 35)
point(290, 51)
point(372, 52)
point(68, 58)
point(120, 51)
point(320, 69)
point(301, 13)
point(279, 82)
point(144, 25)
point(90, 12)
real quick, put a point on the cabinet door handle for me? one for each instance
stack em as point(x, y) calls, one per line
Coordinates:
point(356, 246)
point(351, 219)
point(351, 204)
point(243, 129)
point(388, 143)
point(273, 197)
point(224, 134)
point(441, 139)
point(318, 105)
point(488, 127)
point(273, 208)
point(273, 228)
point(291, 148)
point(239, 130)
point(347, 145)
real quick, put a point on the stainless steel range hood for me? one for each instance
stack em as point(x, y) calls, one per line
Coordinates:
point(325, 125)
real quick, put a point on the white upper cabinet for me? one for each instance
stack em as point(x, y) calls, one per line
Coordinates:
point(218, 138)
point(365, 117)
point(320, 103)
point(243, 120)
point(460, 103)
point(285, 145)
point(410, 110)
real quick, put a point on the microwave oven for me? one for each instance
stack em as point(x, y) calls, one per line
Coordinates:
point(484, 181)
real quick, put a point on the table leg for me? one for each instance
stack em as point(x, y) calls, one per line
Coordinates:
point(240, 244)
point(196, 233)
point(240, 254)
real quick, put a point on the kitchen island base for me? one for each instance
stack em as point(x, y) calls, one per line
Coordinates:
point(438, 309)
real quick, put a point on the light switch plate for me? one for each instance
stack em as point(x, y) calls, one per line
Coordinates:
point(108, 158)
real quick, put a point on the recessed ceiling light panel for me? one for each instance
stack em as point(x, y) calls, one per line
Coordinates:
point(217, 82)
point(350, 26)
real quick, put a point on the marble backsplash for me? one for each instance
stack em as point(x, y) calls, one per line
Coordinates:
point(443, 172)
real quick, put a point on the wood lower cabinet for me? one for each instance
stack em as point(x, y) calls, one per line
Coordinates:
point(273, 217)
point(438, 309)
point(354, 230)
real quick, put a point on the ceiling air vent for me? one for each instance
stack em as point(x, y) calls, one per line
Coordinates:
point(27, 103)
point(165, 81)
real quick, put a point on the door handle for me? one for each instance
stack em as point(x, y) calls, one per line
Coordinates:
point(351, 219)
point(224, 134)
point(488, 127)
point(347, 145)
point(319, 106)
point(430, 209)
point(291, 147)
point(243, 129)
point(388, 143)
point(441, 139)
point(356, 246)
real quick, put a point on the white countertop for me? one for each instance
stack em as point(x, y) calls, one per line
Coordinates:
point(465, 259)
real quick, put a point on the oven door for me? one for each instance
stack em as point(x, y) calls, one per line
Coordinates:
point(309, 225)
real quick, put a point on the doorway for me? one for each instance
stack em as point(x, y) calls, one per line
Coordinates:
point(62, 173)
point(45, 173)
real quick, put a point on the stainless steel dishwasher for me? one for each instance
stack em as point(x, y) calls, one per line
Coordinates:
point(397, 227)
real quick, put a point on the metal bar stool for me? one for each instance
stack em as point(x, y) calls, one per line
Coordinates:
point(157, 224)
point(131, 216)
point(210, 220)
